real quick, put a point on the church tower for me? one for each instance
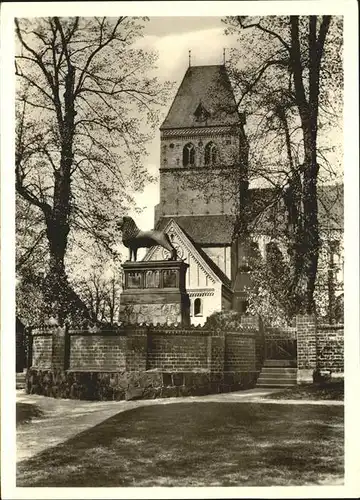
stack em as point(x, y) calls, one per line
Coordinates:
point(203, 163)
point(202, 140)
point(206, 206)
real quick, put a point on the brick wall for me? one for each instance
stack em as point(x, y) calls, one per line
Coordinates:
point(318, 347)
point(140, 348)
point(136, 349)
point(240, 354)
point(306, 342)
point(216, 353)
point(97, 352)
point(58, 348)
point(330, 348)
point(138, 361)
point(177, 352)
point(42, 350)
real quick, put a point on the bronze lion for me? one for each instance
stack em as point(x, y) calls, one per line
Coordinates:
point(133, 238)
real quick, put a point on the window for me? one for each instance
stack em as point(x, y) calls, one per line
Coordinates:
point(201, 113)
point(197, 307)
point(244, 304)
point(210, 154)
point(188, 155)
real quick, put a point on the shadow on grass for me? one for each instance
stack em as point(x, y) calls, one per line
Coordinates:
point(198, 444)
point(324, 391)
point(25, 412)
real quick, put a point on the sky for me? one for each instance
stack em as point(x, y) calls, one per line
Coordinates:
point(172, 38)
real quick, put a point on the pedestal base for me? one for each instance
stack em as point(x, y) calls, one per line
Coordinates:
point(154, 292)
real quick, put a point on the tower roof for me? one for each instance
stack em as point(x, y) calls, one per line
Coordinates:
point(204, 98)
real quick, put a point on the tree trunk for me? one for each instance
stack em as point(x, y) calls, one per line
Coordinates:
point(59, 294)
point(308, 111)
point(311, 227)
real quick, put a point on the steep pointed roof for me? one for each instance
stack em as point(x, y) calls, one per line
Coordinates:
point(207, 88)
point(203, 229)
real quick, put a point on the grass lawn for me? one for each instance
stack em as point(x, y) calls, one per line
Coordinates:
point(199, 444)
point(25, 412)
point(319, 391)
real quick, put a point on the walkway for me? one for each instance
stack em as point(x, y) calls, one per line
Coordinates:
point(64, 418)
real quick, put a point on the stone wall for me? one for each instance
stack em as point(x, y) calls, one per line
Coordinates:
point(136, 361)
point(195, 192)
point(140, 313)
point(196, 189)
point(134, 385)
point(227, 145)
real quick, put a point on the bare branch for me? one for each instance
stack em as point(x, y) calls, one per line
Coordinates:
point(265, 30)
point(97, 50)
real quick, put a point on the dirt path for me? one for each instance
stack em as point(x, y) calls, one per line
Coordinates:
point(64, 418)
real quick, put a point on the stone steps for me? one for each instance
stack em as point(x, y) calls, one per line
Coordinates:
point(290, 363)
point(20, 380)
point(277, 376)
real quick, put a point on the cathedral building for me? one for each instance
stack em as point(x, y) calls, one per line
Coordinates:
point(202, 140)
point(203, 158)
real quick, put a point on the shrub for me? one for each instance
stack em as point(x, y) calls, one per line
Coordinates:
point(224, 320)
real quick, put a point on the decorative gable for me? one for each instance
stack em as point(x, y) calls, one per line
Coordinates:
point(200, 273)
point(201, 113)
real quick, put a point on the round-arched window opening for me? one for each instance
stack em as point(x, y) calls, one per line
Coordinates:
point(197, 307)
point(189, 155)
point(211, 154)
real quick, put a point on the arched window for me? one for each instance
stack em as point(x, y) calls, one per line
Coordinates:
point(197, 307)
point(211, 156)
point(188, 155)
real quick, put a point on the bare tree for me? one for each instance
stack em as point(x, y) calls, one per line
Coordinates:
point(100, 290)
point(288, 73)
point(86, 107)
point(31, 248)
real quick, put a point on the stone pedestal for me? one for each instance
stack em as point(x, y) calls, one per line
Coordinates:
point(154, 292)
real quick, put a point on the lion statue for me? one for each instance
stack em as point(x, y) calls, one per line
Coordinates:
point(133, 238)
